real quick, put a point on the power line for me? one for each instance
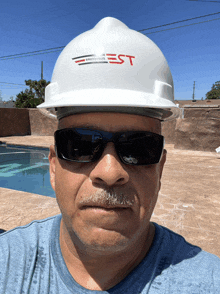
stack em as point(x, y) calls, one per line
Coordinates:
point(179, 21)
point(61, 47)
point(56, 49)
point(5, 85)
point(12, 84)
point(183, 26)
point(28, 55)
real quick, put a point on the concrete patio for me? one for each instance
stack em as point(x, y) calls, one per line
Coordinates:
point(189, 200)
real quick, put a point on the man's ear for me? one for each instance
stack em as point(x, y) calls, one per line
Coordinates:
point(52, 161)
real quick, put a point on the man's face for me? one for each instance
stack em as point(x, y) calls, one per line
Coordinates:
point(106, 205)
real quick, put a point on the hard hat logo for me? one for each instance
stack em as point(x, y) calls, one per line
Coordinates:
point(113, 58)
point(104, 58)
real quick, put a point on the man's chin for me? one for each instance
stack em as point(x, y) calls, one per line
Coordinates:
point(101, 240)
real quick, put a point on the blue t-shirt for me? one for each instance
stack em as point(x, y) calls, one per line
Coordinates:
point(31, 262)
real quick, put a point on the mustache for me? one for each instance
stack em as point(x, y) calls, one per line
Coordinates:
point(108, 198)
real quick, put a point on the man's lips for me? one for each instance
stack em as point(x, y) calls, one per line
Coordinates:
point(105, 207)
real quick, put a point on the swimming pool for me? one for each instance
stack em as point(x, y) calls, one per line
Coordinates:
point(25, 168)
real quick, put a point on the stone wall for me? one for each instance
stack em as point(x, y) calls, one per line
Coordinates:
point(22, 122)
point(14, 122)
point(199, 130)
point(197, 134)
point(41, 124)
point(203, 112)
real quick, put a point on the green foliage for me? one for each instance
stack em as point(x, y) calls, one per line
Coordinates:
point(214, 93)
point(33, 96)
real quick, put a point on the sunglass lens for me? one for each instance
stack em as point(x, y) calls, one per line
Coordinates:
point(140, 148)
point(79, 145)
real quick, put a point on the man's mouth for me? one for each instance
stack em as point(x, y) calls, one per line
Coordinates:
point(105, 207)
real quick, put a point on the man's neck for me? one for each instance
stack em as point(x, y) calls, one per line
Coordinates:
point(99, 271)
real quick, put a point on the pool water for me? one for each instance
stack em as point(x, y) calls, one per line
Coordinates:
point(25, 169)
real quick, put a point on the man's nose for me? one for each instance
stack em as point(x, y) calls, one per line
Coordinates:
point(109, 170)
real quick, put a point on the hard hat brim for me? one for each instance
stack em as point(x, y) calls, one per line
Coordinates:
point(108, 100)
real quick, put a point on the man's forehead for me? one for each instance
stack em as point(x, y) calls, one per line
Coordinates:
point(112, 122)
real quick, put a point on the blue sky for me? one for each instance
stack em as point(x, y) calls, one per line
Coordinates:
point(192, 51)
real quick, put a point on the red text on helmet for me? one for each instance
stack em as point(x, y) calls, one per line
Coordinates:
point(104, 58)
point(114, 58)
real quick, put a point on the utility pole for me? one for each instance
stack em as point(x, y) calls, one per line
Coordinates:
point(42, 75)
point(193, 96)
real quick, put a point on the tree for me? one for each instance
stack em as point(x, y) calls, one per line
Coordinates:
point(33, 96)
point(214, 93)
point(1, 95)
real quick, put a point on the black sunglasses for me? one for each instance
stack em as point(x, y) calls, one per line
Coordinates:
point(84, 145)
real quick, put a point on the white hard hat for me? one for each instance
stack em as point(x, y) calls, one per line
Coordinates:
point(112, 68)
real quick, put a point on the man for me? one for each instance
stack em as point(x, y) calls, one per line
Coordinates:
point(111, 88)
